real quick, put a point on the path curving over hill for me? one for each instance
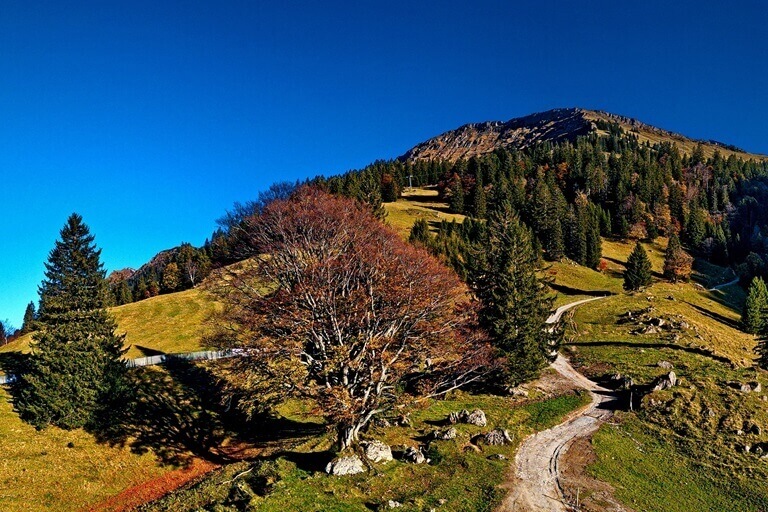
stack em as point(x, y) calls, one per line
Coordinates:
point(537, 486)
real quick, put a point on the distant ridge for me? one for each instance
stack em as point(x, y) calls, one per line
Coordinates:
point(554, 126)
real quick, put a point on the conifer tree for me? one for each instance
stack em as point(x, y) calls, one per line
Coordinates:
point(456, 203)
point(28, 324)
point(755, 312)
point(76, 367)
point(420, 232)
point(514, 306)
point(638, 273)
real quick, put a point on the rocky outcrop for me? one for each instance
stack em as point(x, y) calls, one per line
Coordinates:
point(342, 466)
point(665, 382)
point(476, 417)
point(376, 451)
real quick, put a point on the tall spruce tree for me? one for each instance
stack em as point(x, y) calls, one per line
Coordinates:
point(76, 371)
point(755, 313)
point(514, 304)
point(638, 273)
point(28, 324)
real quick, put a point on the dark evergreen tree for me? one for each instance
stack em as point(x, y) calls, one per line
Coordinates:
point(456, 201)
point(755, 312)
point(28, 324)
point(420, 232)
point(124, 293)
point(76, 370)
point(3, 334)
point(514, 306)
point(638, 272)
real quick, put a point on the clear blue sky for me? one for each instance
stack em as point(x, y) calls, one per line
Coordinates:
point(152, 118)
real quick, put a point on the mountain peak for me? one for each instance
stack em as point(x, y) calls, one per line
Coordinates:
point(554, 125)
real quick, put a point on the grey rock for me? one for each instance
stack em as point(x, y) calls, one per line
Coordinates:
point(445, 435)
point(414, 456)
point(477, 418)
point(497, 437)
point(342, 466)
point(497, 456)
point(665, 382)
point(394, 504)
point(665, 364)
point(376, 451)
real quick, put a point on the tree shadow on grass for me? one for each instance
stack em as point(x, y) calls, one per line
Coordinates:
point(178, 412)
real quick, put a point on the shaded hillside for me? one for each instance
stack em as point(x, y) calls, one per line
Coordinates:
point(553, 126)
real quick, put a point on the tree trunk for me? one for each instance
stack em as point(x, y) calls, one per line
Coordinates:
point(347, 435)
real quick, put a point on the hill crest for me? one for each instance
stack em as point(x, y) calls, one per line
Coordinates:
point(555, 125)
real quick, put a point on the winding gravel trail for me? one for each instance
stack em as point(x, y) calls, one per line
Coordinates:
point(537, 486)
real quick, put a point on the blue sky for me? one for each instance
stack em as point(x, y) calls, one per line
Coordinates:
point(152, 118)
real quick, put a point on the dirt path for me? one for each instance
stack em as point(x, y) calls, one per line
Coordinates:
point(537, 486)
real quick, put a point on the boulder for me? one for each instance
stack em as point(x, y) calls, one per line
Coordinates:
point(342, 466)
point(376, 451)
point(445, 435)
point(497, 437)
point(477, 418)
point(665, 382)
point(394, 504)
point(414, 456)
point(665, 364)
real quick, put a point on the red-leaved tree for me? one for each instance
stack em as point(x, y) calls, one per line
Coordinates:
point(339, 309)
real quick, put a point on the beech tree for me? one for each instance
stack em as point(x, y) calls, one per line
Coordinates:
point(339, 309)
point(76, 366)
point(677, 262)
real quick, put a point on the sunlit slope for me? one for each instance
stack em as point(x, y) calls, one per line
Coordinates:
point(166, 323)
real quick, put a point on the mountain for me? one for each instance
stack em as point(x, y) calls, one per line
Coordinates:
point(553, 126)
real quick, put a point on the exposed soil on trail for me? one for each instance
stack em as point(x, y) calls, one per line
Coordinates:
point(154, 489)
point(590, 494)
point(539, 481)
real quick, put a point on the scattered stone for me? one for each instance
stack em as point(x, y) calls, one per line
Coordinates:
point(665, 382)
point(394, 504)
point(665, 364)
point(414, 455)
point(683, 325)
point(497, 456)
point(403, 421)
point(497, 437)
point(756, 387)
point(764, 398)
point(758, 450)
point(381, 423)
point(670, 297)
point(657, 322)
point(376, 451)
point(746, 448)
point(342, 466)
point(442, 501)
point(477, 418)
point(739, 432)
point(445, 435)
point(455, 417)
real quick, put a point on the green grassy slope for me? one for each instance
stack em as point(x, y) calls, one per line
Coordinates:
point(166, 323)
point(54, 469)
